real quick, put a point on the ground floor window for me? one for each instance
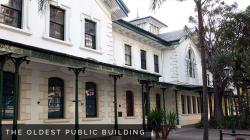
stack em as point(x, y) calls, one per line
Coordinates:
point(190, 104)
point(91, 101)
point(8, 95)
point(130, 103)
point(56, 98)
point(183, 104)
point(158, 101)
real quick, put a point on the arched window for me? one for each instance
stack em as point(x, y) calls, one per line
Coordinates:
point(56, 98)
point(91, 102)
point(130, 103)
point(158, 101)
point(8, 95)
point(191, 64)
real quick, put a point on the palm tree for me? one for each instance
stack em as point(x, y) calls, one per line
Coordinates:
point(199, 5)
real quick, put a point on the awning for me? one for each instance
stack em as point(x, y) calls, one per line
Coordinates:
point(34, 53)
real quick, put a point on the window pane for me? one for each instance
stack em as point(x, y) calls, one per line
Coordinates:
point(15, 4)
point(56, 31)
point(199, 104)
point(90, 27)
point(158, 101)
point(156, 63)
point(8, 95)
point(128, 55)
point(11, 12)
point(183, 104)
point(90, 96)
point(130, 103)
point(57, 23)
point(57, 15)
point(143, 60)
point(194, 104)
point(90, 34)
point(90, 41)
point(56, 98)
point(189, 104)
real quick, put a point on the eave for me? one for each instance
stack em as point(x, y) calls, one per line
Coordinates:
point(140, 33)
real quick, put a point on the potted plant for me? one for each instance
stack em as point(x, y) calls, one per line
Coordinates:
point(155, 119)
point(169, 123)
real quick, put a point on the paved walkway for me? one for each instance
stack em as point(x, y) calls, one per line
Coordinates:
point(189, 133)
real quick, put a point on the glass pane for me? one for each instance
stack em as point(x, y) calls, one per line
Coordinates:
point(158, 100)
point(15, 4)
point(55, 98)
point(8, 95)
point(10, 16)
point(90, 96)
point(90, 41)
point(56, 31)
point(57, 15)
point(130, 103)
point(90, 27)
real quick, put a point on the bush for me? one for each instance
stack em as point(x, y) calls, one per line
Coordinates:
point(155, 119)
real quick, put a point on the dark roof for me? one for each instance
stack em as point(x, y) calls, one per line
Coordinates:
point(147, 18)
point(123, 6)
point(143, 32)
point(174, 35)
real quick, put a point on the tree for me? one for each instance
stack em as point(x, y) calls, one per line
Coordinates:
point(201, 33)
point(235, 36)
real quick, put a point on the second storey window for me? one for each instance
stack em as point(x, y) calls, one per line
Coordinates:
point(57, 22)
point(143, 60)
point(11, 12)
point(90, 34)
point(191, 64)
point(156, 63)
point(128, 55)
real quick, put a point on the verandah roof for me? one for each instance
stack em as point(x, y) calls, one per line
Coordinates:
point(71, 61)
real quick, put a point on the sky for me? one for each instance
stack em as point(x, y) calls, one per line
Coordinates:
point(173, 13)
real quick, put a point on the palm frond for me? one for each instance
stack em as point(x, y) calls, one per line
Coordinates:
point(42, 5)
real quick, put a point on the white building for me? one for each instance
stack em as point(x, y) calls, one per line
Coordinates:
point(90, 34)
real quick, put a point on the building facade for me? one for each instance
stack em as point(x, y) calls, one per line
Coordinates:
point(86, 65)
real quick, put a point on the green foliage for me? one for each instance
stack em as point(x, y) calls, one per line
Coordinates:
point(171, 120)
point(155, 119)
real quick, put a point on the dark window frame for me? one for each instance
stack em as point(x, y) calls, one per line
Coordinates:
point(128, 55)
point(55, 23)
point(143, 59)
point(91, 101)
point(156, 63)
point(8, 102)
point(194, 104)
point(183, 106)
point(189, 108)
point(158, 100)
point(56, 82)
point(89, 34)
point(130, 103)
point(19, 12)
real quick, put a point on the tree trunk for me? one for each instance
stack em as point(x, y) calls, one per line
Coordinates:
point(204, 68)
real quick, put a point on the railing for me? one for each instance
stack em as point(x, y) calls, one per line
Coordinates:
point(232, 134)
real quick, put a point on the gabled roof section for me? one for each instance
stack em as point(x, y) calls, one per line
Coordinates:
point(142, 32)
point(149, 19)
point(175, 35)
point(118, 9)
